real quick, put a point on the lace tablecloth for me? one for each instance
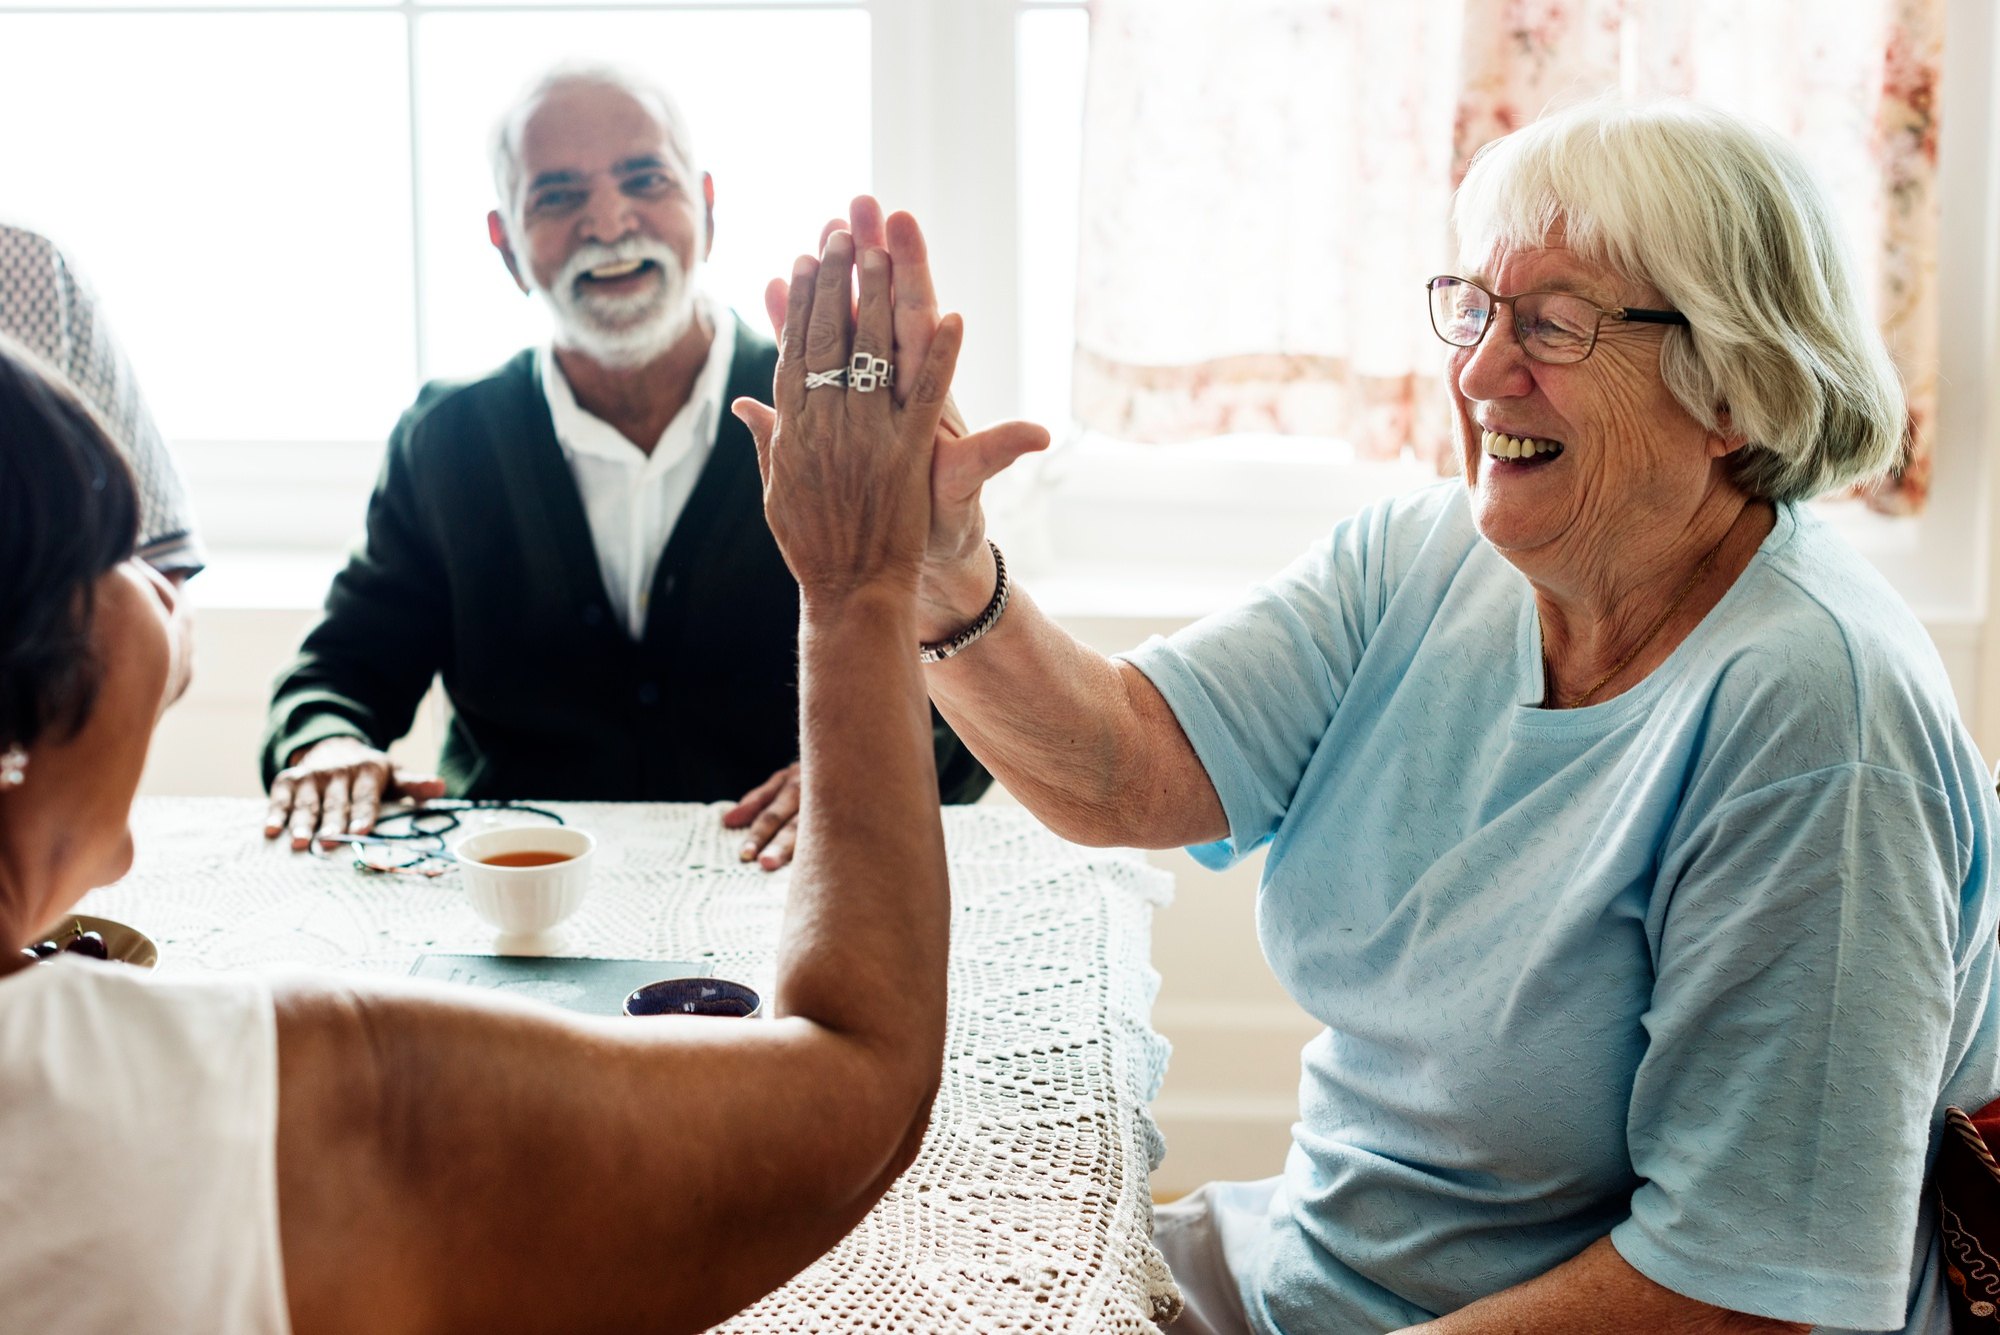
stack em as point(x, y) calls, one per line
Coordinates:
point(1028, 1209)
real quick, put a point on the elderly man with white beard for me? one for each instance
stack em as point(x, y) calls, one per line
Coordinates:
point(575, 542)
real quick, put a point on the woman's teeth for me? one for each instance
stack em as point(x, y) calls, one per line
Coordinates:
point(1517, 447)
point(606, 272)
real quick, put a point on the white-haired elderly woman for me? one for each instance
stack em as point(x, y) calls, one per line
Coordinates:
point(1621, 827)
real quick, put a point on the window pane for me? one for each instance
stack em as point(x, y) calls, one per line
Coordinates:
point(1053, 48)
point(788, 146)
point(85, 5)
point(664, 4)
point(237, 189)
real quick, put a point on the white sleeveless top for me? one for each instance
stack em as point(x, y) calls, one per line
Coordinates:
point(138, 1153)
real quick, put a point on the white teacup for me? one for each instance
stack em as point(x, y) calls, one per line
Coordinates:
point(527, 903)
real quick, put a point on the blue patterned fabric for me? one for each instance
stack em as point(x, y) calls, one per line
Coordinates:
point(1697, 967)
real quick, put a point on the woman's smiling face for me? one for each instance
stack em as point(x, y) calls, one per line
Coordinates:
point(1610, 455)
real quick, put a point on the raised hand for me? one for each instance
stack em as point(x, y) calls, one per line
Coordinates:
point(846, 469)
point(958, 569)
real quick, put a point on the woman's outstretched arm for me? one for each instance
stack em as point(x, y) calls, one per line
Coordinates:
point(450, 1161)
point(1597, 1292)
point(1084, 742)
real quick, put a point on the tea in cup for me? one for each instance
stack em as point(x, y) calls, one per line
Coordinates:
point(526, 880)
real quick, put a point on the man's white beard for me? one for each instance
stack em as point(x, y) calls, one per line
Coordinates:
point(621, 332)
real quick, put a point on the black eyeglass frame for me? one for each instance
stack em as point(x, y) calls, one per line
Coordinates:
point(1632, 314)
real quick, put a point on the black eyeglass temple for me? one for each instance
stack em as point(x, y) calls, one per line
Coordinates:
point(1653, 317)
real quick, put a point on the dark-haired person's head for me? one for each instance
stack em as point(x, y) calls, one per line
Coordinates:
point(92, 649)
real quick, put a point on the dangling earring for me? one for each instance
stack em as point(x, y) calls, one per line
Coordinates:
point(13, 767)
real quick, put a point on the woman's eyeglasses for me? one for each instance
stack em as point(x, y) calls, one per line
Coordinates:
point(1555, 327)
point(413, 842)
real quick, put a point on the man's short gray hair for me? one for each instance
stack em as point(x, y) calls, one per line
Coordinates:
point(504, 146)
point(1722, 218)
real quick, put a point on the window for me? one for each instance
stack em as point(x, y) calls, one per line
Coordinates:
point(283, 209)
point(1174, 530)
point(1052, 47)
point(236, 185)
point(747, 83)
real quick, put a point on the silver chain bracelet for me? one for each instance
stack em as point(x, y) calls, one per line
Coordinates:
point(959, 643)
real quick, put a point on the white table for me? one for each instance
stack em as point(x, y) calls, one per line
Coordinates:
point(1028, 1208)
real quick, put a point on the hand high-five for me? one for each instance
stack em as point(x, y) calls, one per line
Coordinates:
point(913, 298)
point(958, 569)
point(847, 468)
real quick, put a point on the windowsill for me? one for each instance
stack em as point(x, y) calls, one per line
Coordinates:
point(1109, 529)
point(294, 580)
point(1163, 592)
point(1114, 592)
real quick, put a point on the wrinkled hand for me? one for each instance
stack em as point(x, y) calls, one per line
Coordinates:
point(958, 571)
point(337, 786)
point(775, 831)
point(847, 473)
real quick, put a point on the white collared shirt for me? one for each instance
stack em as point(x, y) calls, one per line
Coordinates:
point(633, 499)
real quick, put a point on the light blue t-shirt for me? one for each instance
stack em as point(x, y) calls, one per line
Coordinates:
point(1698, 967)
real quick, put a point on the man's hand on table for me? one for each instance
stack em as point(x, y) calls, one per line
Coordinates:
point(337, 786)
point(771, 810)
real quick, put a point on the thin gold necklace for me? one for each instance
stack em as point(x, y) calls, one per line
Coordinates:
point(1549, 673)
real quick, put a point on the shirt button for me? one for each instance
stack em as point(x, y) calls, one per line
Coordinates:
point(593, 615)
point(649, 694)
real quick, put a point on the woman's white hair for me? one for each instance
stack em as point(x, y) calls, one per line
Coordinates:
point(1724, 220)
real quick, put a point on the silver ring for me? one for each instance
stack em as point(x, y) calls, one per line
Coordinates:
point(866, 373)
point(822, 379)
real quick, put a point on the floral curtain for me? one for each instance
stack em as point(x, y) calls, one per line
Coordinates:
point(1266, 185)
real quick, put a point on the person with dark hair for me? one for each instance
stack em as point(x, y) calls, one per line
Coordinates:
point(66, 516)
point(49, 308)
point(251, 1155)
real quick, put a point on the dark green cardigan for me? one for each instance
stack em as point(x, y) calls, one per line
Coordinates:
point(478, 565)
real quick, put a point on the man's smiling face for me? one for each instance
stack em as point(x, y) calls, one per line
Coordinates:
point(607, 221)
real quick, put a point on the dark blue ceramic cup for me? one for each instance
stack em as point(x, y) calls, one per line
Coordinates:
point(694, 996)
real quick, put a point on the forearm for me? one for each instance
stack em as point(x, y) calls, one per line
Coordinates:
point(1597, 1292)
point(452, 1159)
point(867, 926)
point(1085, 743)
point(356, 675)
point(364, 669)
point(299, 718)
point(962, 780)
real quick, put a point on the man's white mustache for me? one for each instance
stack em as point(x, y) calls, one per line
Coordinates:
point(595, 256)
point(621, 329)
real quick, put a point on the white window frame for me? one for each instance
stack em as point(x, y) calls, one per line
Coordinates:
point(943, 146)
point(1110, 529)
point(1158, 504)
